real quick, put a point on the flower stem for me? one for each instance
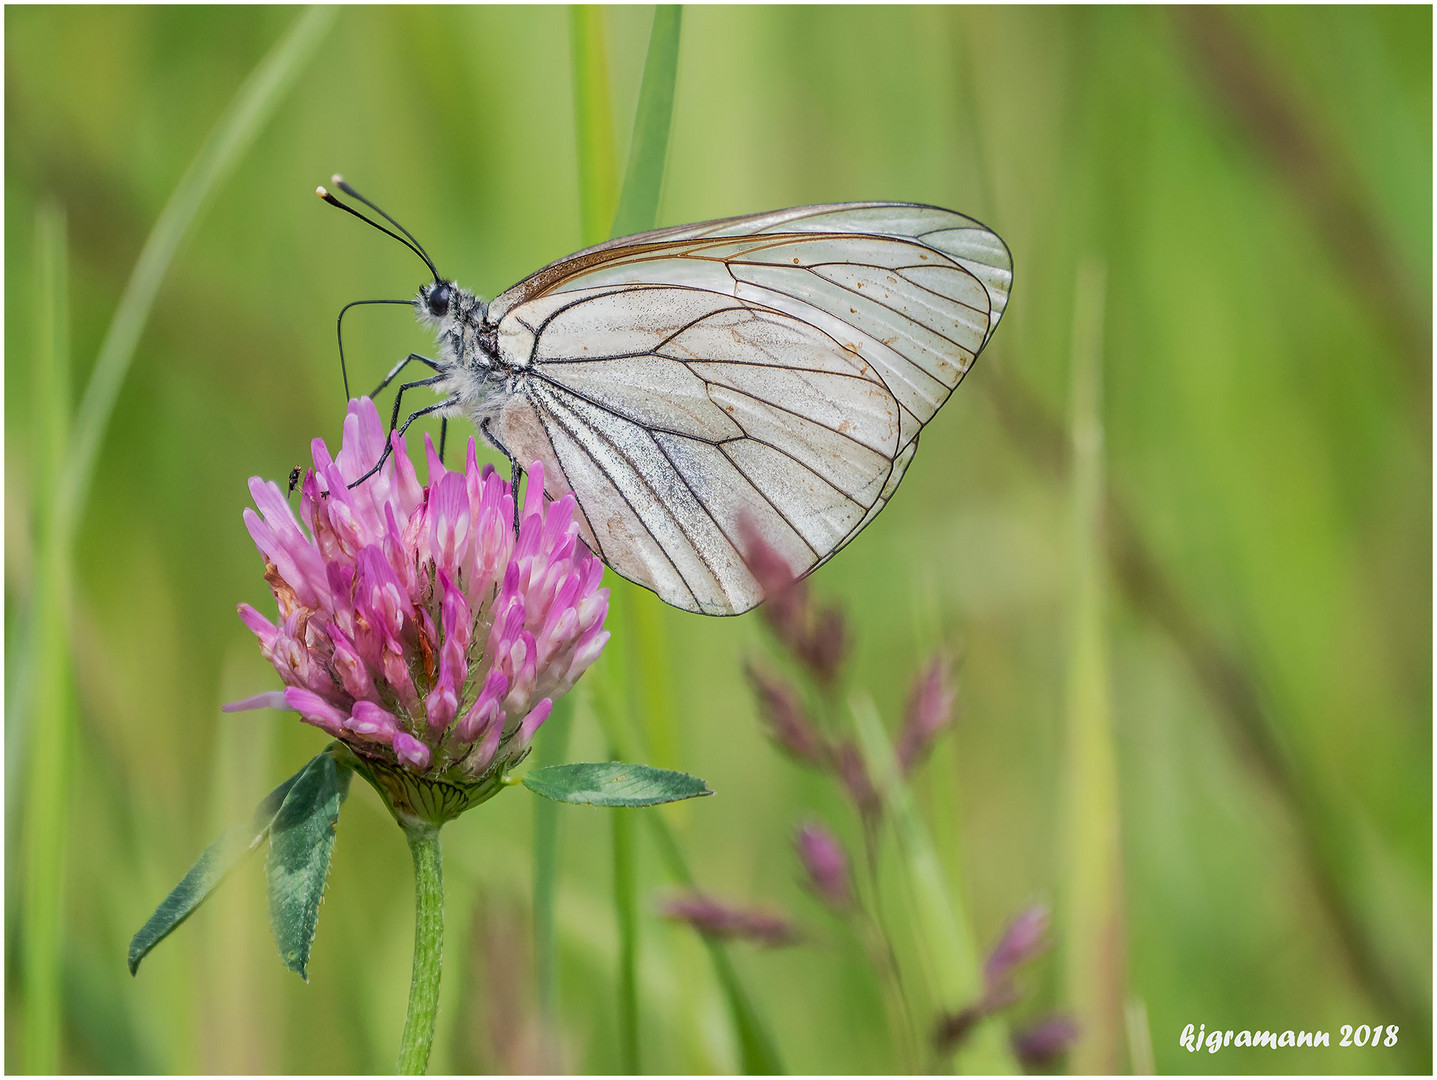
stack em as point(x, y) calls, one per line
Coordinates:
point(428, 949)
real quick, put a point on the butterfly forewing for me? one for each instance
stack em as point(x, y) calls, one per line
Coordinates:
point(774, 370)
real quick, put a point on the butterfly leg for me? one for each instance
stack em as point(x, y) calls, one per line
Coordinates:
point(399, 396)
point(394, 422)
point(394, 371)
point(443, 437)
point(514, 471)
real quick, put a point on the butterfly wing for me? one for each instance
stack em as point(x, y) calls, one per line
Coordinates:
point(769, 370)
point(967, 241)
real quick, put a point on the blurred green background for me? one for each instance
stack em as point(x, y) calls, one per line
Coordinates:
point(1231, 208)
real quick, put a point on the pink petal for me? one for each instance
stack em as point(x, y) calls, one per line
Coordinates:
point(373, 722)
point(270, 699)
point(534, 489)
point(411, 751)
point(530, 724)
point(363, 439)
point(437, 471)
point(261, 627)
point(316, 710)
point(485, 710)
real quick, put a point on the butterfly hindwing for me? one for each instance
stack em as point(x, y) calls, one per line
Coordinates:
point(773, 370)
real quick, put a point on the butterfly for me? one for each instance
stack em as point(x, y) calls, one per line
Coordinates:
point(696, 385)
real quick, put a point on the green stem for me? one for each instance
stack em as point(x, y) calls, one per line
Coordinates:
point(46, 820)
point(952, 964)
point(626, 904)
point(428, 949)
point(1093, 900)
point(885, 960)
point(551, 750)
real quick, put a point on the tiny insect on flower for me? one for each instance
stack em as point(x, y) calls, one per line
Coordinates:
point(413, 624)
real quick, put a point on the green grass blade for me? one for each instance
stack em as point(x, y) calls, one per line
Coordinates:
point(44, 689)
point(46, 808)
point(648, 149)
point(594, 131)
point(593, 121)
point(228, 141)
point(551, 749)
point(647, 667)
point(655, 693)
point(1093, 915)
point(626, 908)
point(758, 1053)
point(952, 965)
point(594, 136)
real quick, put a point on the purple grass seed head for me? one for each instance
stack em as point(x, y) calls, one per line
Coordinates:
point(785, 719)
point(817, 638)
point(825, 864)
point(714, 918)
point(1025, 937)
point(930, 712)
point(1038, 1044)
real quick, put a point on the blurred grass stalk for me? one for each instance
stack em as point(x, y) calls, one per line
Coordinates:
point(1093, 939)
point(65, 461)
point(227, 142)
point(638, 664)
point(45, 810)
point(593, 122)
point(550, 750)
point(626, 914)
point(944, 934)
point(648, 147)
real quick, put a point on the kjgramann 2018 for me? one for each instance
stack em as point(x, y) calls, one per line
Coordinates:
point(1195, 1038)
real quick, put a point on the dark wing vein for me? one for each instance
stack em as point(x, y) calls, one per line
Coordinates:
point(643, 480)
point(646, 426)
point(619, 491)
point(548, 434)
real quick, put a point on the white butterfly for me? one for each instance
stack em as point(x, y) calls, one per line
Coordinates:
point(773, 370)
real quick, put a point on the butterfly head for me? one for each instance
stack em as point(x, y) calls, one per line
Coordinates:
point(437, 298)
point(441, 301)
point(447, 307)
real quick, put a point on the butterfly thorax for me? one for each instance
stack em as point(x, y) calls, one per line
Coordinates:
point(475, 379)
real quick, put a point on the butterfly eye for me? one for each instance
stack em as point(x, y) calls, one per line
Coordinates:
point(439, 298)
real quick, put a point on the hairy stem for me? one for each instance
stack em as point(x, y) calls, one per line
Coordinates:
point(428, 949)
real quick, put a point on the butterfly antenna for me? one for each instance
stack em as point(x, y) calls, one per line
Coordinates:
point(344, 186)
point(339, 332)
point(413, 246)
